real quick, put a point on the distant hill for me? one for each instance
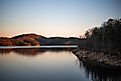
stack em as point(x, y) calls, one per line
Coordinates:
point(27, 40)
point(37, 40)
point(4, 41)
point(32, 35)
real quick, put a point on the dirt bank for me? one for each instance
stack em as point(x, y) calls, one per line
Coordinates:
point(98, 57)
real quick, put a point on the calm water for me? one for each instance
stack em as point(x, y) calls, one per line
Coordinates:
point(50, 65)
point(50, 47)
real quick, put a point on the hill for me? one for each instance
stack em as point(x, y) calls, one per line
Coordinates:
point(37, 40)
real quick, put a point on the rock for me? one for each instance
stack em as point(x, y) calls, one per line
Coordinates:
point(99, 57)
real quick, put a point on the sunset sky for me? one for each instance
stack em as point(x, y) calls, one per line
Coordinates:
point(55, 17)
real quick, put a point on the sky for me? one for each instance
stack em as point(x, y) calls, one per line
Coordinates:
point(67, 18)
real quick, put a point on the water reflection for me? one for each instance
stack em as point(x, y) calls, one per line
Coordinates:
point(97, 72)
point(39, 65)
point(31, 51)
point(51, 65)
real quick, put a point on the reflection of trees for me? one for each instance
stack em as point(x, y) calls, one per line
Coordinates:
point(100, 72)
point(59, 49)
point(5, 51)
point(30, 51)
point(26, 52)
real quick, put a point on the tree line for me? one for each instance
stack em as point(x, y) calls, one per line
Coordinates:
point(106, 37)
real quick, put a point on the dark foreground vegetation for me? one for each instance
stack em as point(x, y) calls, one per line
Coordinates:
point(107, 37)
point(102, 44)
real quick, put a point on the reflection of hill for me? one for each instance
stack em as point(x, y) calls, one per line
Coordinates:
point(5, 51)
point(30, 51)
point(101, 73)
point(25, 52)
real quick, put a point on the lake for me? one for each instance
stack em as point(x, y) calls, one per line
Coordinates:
point(45, 64)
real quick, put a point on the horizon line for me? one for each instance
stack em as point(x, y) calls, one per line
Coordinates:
point(9, 36)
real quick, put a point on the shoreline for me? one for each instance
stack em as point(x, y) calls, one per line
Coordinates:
point(99, 58)
point(44, 46)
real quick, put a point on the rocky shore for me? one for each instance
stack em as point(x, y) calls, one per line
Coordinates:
point(99, 57)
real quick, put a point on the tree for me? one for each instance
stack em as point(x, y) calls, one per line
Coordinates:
point(107, 36)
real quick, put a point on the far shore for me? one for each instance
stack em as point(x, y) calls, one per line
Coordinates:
point(99, 57)
point(43, 46)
